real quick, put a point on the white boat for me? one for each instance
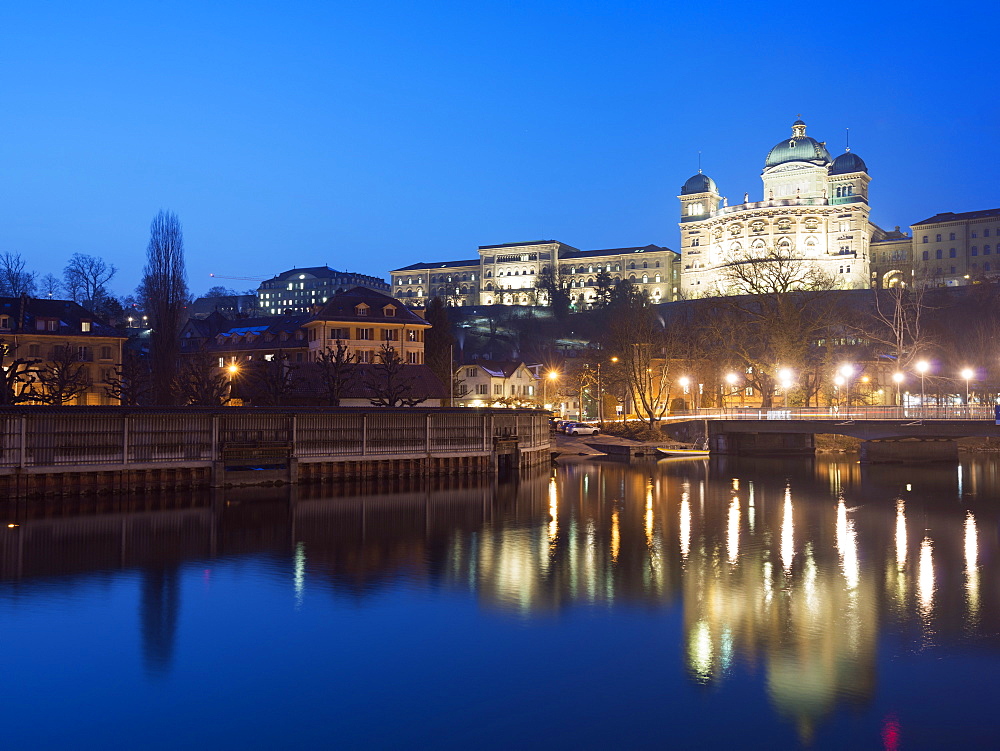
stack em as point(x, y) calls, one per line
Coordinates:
point(674, 452)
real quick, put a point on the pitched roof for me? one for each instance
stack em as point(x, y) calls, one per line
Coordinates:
point(949, 216)
point(436, 265)
point(519, 245)
point(343, 307)
point(497, 368)
point(321, 272)
point(24, 311)
point(614, 252)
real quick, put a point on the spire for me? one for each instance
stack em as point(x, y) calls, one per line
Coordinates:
point(699, 162)
point(848, 137)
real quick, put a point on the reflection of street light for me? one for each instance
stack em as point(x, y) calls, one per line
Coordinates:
point(898, 378)
point(922, 367)
point(967, 374)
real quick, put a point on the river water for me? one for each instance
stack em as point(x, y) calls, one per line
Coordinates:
point(680, 604)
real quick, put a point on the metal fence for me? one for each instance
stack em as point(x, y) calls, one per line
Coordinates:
point(81, 436)
point(955, 412)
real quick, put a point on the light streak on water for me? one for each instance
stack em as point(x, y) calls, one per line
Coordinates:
point(972, 567)
point(787, 533)
point(685, 526)
point(733, 538)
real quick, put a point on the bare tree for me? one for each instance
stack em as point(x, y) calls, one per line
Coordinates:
point(896, 323)
point(64, 377)
point(271, 382)
point(164, 285)
point(779, 305)
point(200, 382)
point(646, 352)
point(14, 280)
point(439, 341)
point(336, 371)
point(85, 278)
point(391, 385)
point(18, 375)
point(130, 381)
point(50, 286)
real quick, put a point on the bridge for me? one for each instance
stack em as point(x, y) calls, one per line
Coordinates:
point(887, 434)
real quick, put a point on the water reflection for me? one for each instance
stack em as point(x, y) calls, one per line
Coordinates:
point(795, 573)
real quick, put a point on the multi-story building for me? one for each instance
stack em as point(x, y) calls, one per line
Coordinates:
point(60, 334)
point(814, 208)
point(361, 319)
point(509, 274)
point(951, 249)
point(297, 290)
point(491, 383)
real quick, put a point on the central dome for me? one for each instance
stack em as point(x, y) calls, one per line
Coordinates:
point(798, 148)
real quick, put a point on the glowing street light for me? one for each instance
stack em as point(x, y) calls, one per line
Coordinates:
point(684, 382)
point(847, 372)
point(731, 379)
point(552, 375)
point(785, 377)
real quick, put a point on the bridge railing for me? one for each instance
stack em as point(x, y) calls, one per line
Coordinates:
point(956, 412)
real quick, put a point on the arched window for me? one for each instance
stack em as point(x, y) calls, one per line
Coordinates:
point(618, 267)
point(645, 278)
point(656, 278)
point(631, 277)
point(632, 265)
point(489, 274)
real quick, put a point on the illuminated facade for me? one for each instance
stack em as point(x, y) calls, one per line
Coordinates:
point(814, 208)
point(509, 274)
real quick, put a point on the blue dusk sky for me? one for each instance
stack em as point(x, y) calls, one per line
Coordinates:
point(372, 135)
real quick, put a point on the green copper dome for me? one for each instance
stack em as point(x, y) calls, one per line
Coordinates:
point(699, 184)
point(798, 148)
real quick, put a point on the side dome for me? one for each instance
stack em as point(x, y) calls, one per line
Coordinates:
point(848, 162)
point(699, 184)
point(798, 148)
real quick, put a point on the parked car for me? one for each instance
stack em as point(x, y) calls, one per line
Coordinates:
point(582, 428)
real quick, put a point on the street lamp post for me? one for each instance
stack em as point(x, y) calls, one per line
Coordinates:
point(684, 381)
point(967, 374)
point(785, 374)
point(846, 371)
point(731, 379)
point(600, 398)
point(922, 368)
point(897, 377)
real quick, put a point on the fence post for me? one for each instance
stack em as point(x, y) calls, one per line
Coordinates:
point(427, 429)
point(125, 440)
point(364, 434)
point(23, 459)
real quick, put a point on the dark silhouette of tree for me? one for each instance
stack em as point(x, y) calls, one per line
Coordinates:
point(555, 296)
point(164, 287)
point(14, 280)
point(389, 382)
point(337, 372)
point(605, 289)
point(18, 374)
point(64, 377)
point(130, 382)
point(200, 381)
point(49, 286)
point(439, 341)
point(269, 383)
point(85, 279)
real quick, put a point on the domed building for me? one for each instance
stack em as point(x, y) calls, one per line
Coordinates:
point(814, 209)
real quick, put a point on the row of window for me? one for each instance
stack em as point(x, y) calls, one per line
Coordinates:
point(951, 235)
point(483, 389)
point(364, 356)
point(939, 253)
